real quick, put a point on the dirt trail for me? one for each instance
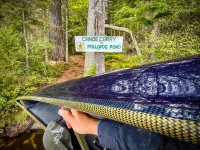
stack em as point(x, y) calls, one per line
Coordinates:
point(76, 66)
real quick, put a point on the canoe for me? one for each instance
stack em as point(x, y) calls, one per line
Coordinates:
point(162, 97)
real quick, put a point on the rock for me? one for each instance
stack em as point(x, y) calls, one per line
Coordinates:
point(35, 126)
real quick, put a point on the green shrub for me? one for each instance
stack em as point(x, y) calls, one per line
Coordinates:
point(118, 61)
point(91, 71)
point(17, 80)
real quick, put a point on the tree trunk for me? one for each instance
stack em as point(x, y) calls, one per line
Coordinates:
point(90, 56)
point(66, 32)
point(56, 32)
point(46, 59)
point(25, 41)
point(65, 28)
point(100, 31)
point(153, 42)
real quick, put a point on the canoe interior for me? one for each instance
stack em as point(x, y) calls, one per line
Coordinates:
point(47, 112)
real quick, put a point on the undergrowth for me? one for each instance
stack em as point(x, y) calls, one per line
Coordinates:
point(14, 85)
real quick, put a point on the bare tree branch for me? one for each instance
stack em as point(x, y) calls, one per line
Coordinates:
point(128, 31)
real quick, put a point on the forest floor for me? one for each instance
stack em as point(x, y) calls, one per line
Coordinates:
point(76, 66)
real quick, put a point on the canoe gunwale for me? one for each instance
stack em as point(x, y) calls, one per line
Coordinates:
point(184, 130)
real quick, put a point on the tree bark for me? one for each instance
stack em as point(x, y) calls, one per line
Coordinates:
point(46, 59)
point(130, 33)
point(65, 29)
point(90, 56)
point(100, 31)
point(56, 32)
point(66, 32)
point(153, 41)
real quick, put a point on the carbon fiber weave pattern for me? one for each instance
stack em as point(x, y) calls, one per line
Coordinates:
point(184, 130)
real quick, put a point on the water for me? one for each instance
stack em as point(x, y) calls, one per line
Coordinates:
point(26, 141)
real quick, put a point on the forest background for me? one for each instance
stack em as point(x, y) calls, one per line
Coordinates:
point(160, 30)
